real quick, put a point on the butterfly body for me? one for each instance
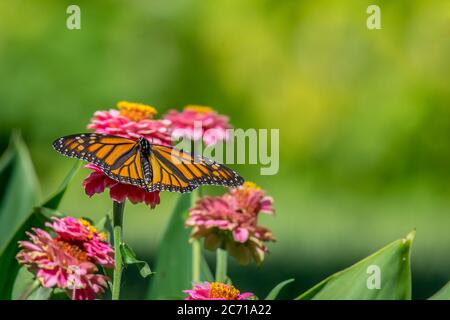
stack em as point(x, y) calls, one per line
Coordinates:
point(149, 166)
point(145, 149)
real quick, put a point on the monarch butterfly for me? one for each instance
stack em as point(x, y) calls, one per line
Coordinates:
point(149, 166)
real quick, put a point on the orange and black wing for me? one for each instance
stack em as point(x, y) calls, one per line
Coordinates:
point(176, 170)
point(119, 158)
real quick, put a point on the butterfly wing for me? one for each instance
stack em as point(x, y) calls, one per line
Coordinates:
point(119, 158)
point(176, 170)
point(165, 168)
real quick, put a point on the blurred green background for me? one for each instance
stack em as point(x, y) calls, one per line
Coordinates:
point(363, 115)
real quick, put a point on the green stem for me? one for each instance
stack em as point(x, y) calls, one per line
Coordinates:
point(221, 265)
point(196, 260)
point(196, 245)
point(199, 193)
point(117, 223)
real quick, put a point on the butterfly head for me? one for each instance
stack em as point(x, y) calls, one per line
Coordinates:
point(144, 145)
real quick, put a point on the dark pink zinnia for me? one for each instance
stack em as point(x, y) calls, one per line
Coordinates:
point(97, 182)
point(70, 260)
point(131, 120)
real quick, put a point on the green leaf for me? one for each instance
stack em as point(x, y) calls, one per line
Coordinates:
point(54, 201)
point(129, 257)
point(59, 294)
point(27, 287)
point(16, 214)
point(5, 160)
point(41, 293)
point(174, 260)
point(35, 218)
point(23, 283)
point(22, 189)
point(8, 264)
point(358, 282)
point(206, 273)
point(443, 294)
point(273, 294)
point(48, 213)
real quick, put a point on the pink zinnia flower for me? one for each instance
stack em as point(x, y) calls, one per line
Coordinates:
point(69, 260)
point(230, 222)
point(132, 120)
point(97, 182)
point(86, 235)
point(216, 291)
point(197, 123)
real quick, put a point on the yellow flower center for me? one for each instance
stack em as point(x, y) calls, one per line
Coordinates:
point(199, 109)
point(92, 230)
point(73, 250)
point(223, 291)
point(136, 111)
point(250, 185)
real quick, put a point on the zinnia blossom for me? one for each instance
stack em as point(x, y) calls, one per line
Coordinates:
point(131, 120)
point(197, 123)
point(97, 182)
point(69, 260)
point(230, 221)
point(216, 291)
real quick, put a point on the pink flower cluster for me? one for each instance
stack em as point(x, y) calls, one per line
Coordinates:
point(197, 123)
point(216, 291)
point(230, 221)
point(69, 260)
point(134, 120)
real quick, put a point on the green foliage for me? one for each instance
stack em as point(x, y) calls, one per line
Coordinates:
point(174, 260)
point(32, 218)
point(443, 294)
point(363, 113)
point(393, 262)
point(41, 293)
point(54, 201)
point(174, 263)
point(21, 189)
point(129, 258)
point(27, 287)
point(24, 282)
point(8, 263)
point(16, 214)
point(273, 294)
